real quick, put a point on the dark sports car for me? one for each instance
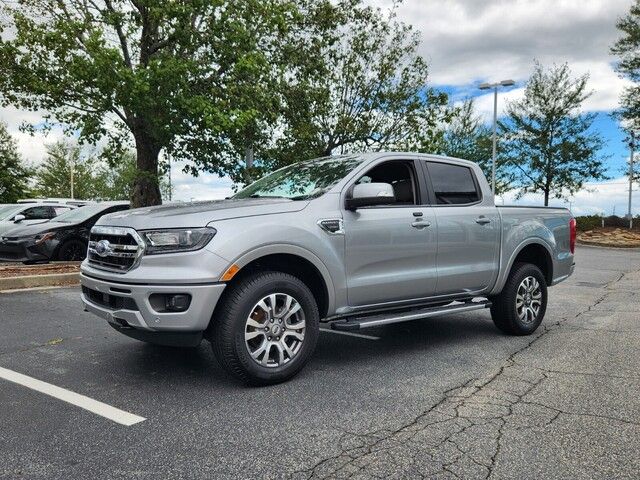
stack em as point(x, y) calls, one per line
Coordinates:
point(63, 238)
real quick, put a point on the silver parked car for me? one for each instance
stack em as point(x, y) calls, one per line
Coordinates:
point(348, 242)
point(13, 215)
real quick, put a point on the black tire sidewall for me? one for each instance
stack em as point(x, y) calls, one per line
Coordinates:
point(261, 286)
point(520, 273)
point(65, 246)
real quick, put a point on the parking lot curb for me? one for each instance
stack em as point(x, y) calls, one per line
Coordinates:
point(31, 281)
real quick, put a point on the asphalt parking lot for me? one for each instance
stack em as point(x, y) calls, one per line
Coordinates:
point(443, 398)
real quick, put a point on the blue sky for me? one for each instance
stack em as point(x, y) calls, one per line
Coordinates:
point(470, 41)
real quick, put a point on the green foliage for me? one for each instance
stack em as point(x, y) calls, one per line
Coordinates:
point(192, 78)
point(367, 91)
point(594, 222)
point(627, 49)
point(546, 142)
point(469, 138)
point(13, 173)
point(93, 179)
point(588, 222)
point(116, 181)
point(53, 176)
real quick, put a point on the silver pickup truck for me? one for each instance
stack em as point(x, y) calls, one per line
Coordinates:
point(345, 243)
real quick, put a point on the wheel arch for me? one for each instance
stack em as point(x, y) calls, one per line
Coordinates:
point(66, 239)
point(296, 261)
point(535, 251)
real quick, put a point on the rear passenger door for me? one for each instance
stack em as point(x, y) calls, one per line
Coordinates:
point(468, 229)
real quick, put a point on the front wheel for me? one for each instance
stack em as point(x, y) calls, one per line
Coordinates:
point(520, 307)
point(72, 250)
point(266, 328)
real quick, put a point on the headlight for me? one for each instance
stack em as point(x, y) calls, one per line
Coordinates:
point(176, 240)
point(43, 237)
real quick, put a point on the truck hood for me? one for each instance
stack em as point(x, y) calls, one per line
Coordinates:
point(199, 214)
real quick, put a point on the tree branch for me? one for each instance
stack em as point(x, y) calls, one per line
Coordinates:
point(121, 36)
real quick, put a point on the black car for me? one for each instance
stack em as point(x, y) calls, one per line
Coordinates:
point(63, 238)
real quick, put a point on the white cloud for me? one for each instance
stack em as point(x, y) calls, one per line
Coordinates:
point(603, 82)
point(468, 41)
point(31, 147)
point(206, 186)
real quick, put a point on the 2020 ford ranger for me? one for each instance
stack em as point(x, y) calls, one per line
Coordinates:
point(347, 242)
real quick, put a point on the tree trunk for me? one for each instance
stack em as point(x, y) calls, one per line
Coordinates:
point(146, 191)
point(546, 198)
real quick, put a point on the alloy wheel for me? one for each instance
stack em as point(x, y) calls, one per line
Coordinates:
point(274, 330)
point(528, 300)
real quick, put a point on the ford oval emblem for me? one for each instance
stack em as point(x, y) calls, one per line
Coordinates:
point(103, 248)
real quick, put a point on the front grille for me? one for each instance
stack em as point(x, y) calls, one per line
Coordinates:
point(110, 301)
point(114, 248)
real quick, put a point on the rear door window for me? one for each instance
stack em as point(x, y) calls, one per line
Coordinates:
point(453, 184)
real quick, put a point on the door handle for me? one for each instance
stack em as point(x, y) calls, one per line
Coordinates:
point(483, 220)
point(420, 224)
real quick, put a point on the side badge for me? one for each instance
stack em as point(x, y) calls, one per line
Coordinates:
point(334, 226)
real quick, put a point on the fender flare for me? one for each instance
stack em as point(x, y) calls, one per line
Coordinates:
point(504, 272)
point(286, 248)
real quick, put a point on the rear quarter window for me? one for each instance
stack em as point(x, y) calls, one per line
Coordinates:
point(453, 184)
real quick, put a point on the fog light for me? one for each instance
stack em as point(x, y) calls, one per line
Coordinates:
point(177, 303)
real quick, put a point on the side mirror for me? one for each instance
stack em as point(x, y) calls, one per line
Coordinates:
point(18, 218)
point(370, 194)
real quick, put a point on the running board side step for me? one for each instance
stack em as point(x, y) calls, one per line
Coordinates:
point(358, 323)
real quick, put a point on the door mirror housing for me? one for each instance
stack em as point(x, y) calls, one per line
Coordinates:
point(18, 218)
point(370, 194)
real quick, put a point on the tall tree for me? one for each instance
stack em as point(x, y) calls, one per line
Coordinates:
point(468, 137)
point(14, 174)
point(116, 181)
point(53, 176)
point(547, 140)
point(370, 93)
point(627, 49)
point(192, 77)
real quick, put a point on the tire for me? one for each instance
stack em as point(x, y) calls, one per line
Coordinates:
point(72, 250)
point(238, 328)
point(514, 310)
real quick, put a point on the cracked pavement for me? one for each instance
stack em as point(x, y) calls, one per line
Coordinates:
point(443, 398)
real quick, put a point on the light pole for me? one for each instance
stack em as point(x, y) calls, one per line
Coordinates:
point(73, 166)
point(631, 148)
point(170, 186)
point(488, 86)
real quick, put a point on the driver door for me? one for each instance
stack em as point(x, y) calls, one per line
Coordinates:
point(390, 250)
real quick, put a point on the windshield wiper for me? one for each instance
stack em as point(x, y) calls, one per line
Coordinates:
point(256, 195)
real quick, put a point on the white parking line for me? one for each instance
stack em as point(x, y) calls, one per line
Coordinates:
point(359, 335)
point(94, 406)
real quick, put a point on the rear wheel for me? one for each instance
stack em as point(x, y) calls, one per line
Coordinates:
point(520, 307)
point(266, 328)
point(72, 250)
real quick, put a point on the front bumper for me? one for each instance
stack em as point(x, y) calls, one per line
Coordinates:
point(23, 251)
point(126, 306)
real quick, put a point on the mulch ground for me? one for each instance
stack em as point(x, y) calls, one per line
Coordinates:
point(610, 237)
point(18, 270)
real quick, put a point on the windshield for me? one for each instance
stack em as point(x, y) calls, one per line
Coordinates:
point(81, 214)
point(8, 211)
point(302, 181)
